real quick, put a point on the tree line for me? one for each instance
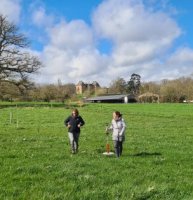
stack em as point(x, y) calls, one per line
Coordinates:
point(173, 91)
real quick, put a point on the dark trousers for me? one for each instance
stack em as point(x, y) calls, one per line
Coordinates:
point(118, 146)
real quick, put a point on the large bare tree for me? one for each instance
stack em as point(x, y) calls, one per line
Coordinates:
point(16, 64)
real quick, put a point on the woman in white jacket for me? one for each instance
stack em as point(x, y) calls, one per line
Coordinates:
point(118, 128)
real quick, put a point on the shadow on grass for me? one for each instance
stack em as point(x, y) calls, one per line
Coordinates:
point(145, 154)
point(20, 128)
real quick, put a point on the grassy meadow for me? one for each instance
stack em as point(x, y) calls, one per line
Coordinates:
point(36, 163)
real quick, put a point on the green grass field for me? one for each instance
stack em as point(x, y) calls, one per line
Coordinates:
point(36, 164)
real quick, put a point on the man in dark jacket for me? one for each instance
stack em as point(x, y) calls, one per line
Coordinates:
point(74, 122)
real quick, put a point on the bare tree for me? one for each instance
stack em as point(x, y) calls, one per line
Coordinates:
point(65, 91)
point(118, 86)
point(151, 87)
point(15, 64)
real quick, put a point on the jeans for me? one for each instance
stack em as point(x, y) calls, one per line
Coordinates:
point(73, 138)
point(118, 146)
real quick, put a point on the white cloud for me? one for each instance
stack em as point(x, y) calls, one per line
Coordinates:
point(182, 56)
point(125, 21)
point(40, 18)
point(71, 36)
point(180, 63)
point(87, 63)
point(141, 39)
point(11, 9)
point(70, 54)
point(138, 34)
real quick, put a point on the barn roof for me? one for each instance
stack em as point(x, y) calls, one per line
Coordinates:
point(110, 97)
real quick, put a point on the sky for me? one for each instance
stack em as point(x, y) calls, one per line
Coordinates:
point(103, 40)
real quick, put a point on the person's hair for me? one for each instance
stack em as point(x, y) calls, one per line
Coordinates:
point(76, 111)
point(118, 114)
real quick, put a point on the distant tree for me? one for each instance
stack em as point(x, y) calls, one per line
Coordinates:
point(152, 87)
point(134, 84)
point(177, 90)
point(15, 63)
point(8, 92)
point(48, 92)
point(65, 91)
point(118, 86)
point(52, 92)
